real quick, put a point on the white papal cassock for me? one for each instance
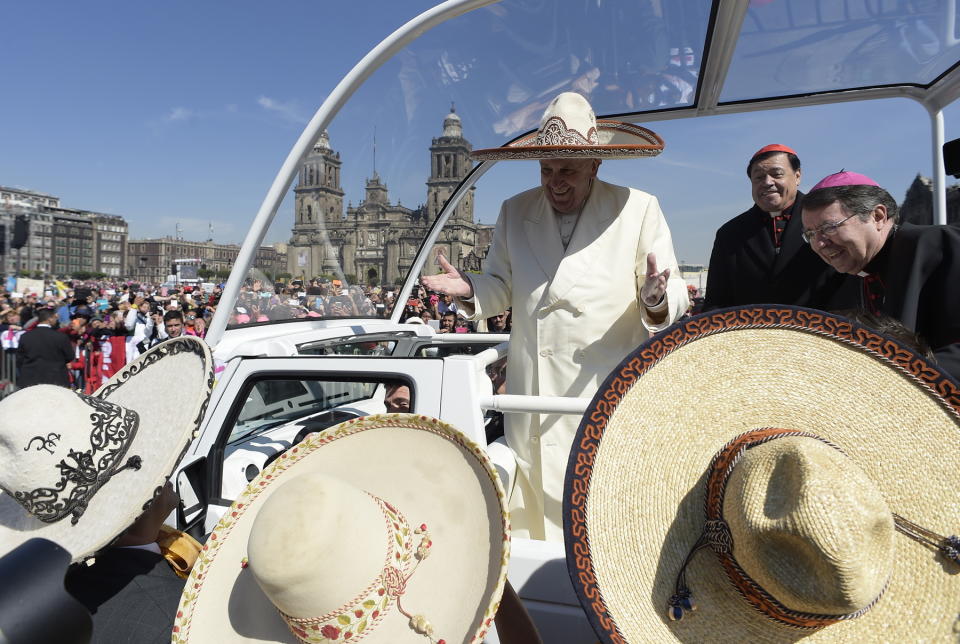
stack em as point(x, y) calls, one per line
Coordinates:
point(576, 314)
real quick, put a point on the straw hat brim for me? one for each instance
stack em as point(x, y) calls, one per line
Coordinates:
point(427, 469)
point(634, 497)
point(169, 387)
point(618, 140)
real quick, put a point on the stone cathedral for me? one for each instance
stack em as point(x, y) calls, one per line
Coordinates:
point(377, 241)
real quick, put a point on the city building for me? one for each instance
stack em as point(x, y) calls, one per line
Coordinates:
point(60, 241)
point(377, 241)
point(151, 260)
point(917, 207)
point(35, 222)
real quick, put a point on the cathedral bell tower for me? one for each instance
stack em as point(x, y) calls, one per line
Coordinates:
point(449, 164)
point(319, 197)
point(318, 202)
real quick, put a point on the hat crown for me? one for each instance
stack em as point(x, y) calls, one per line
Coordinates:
point(295, 549)
point(568, 120)
point(809, 526)
point(844, 178)
point(55, 469)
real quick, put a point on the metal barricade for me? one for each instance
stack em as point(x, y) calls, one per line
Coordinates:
point(8, 373)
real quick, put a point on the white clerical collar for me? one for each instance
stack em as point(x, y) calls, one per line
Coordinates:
point(863, 274)
point(774, 213)
point(46, 325)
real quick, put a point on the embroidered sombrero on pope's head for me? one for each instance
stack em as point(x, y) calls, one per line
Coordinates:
point(768, 474)
point(78, 469)
point(388, 528)
point(569, 129)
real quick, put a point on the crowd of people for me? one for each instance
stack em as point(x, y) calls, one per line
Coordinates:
point(111, 323)
point(330, 298)
point(99, 326)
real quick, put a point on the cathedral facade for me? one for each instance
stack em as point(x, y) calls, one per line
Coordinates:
point(377, 241)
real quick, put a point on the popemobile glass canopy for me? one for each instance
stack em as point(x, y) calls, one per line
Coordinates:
point(372, 173)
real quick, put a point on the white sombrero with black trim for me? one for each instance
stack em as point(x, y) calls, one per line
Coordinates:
point(78, 469)
point(569, 130)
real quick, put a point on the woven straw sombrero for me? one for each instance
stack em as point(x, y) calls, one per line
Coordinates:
point(569, 130)
point(78, 470)
point(389, 528)
point(768, 474)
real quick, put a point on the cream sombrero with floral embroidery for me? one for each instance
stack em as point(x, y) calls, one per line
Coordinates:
point(569, 130)
point(77, 469)
point(389, 528)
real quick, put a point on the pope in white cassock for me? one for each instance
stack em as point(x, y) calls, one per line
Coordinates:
point(590, 272)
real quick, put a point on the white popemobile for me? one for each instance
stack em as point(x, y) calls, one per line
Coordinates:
point(501, 61)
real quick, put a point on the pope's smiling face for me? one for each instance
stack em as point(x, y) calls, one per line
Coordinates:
point(567, 182)
point(851, 245)
point(774, 183)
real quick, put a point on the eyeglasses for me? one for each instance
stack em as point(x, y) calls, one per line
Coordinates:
point(827, 230)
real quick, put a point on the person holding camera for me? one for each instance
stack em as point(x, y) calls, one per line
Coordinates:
point(172, 324)
point(140, 325)
point(194, 324)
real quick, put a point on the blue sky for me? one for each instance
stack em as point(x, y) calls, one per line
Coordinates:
point(184, 111)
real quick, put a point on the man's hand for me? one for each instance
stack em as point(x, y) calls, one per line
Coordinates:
point(655, 286)
point(450, 281)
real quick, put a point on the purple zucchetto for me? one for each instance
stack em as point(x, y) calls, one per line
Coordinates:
point(844, 178)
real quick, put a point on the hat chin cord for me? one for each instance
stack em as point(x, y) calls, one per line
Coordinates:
point(716, 535)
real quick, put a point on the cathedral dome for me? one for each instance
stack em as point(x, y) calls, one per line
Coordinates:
point(452, 127)
point(323, 143)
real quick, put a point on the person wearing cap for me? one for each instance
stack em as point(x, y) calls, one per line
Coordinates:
point(759, 257)
point(589, 271)
point(140, 326)
point(909, 272)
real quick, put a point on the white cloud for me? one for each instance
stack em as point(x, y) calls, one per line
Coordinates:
point(699, 167)
point(179, 114)
point(289, 111)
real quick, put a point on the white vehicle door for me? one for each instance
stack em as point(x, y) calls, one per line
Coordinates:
point(268, 404)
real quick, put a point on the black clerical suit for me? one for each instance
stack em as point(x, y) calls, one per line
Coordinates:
point(42, 357)
point(132, 594)
point(746, 267)
point(919, 272)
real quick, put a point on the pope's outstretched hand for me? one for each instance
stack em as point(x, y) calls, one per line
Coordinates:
point(450, 281)
point(655, 286)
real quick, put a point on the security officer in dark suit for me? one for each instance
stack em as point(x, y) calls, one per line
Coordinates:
point(43, 353)
point(759, 256)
